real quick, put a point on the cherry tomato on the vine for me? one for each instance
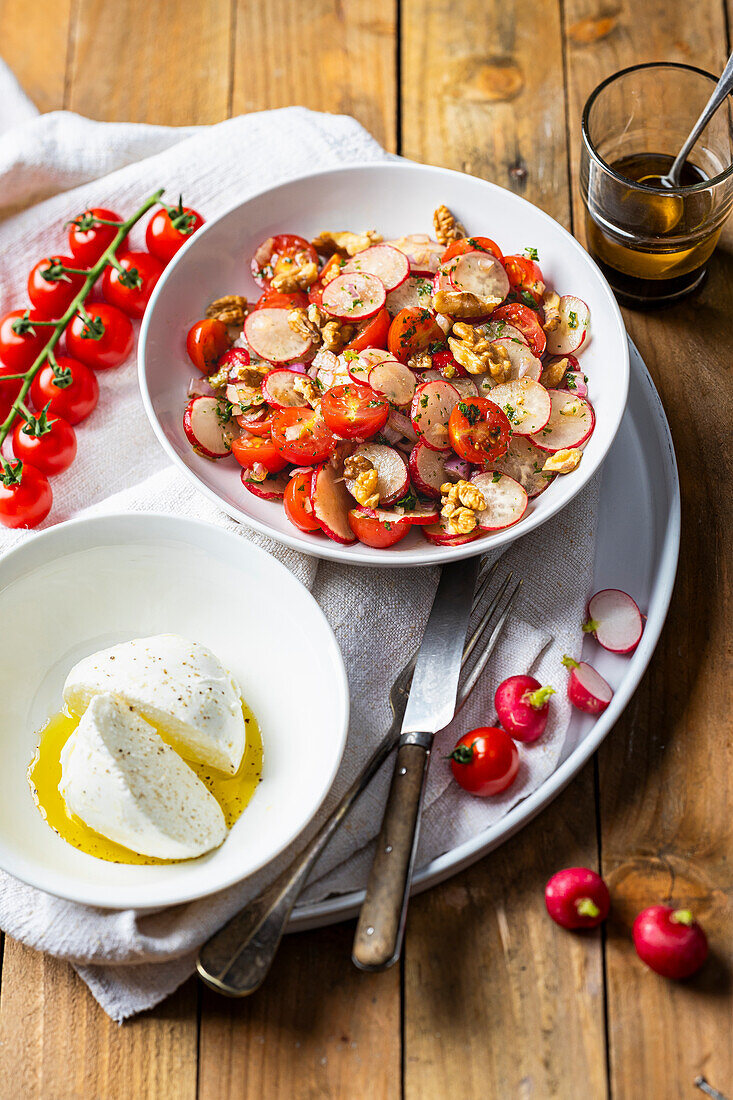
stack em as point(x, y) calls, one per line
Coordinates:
point(72, 391)
point(485, 761)
point(310, 444)
point(52, 290)
point(22, 340)
point(104, 340)
point(48, 443)
point(297, 502)
point(354, 410)
point(251, 449)
point(206, 342)
point(169, 229)
point(25, 496)
point(131, 292)
point(479, 430)
point(88, 239)
point(9, 389)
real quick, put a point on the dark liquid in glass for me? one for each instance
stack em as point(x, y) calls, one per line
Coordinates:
point(652, 246)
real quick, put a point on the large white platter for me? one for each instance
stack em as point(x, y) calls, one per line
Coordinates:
point(637, 548)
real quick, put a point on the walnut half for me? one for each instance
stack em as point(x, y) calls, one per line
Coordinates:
point(230, 309)
point(477, 353)
point(447, 228)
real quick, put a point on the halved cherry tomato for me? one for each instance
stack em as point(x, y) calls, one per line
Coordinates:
point(278, 299)
point(206, 342)
point(472, 244)
point(330, 270)
point(52, 291)
point(88, 244)
point(447, 365)
point(132, 300)
point(526, 320)
point(72, 393)
point(251, 449)
point(46, 442)
point(233, 359)
point(19, 350)
point(105, 351)
point(280, 254)
point(302, 436)
point(25, 496)
point(413, 330)
point(169, 229)
point(297, 502)
point(377, 533)
point(354, 410)
point(260, 425)
point(372, 333)
point(525, 276)
point(479, 430)
point(485, 761)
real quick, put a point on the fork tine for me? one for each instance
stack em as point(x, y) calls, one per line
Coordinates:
point(487, 615)
point(478, 668)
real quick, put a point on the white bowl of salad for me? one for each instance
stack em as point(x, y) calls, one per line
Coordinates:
point(389, 364)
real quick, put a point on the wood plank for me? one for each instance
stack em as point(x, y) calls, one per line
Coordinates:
point(55, 1041)
point(326, 55)
point(318, 1028)
point(34, 44)
point(167, 62)
point(665, 778)
point(477, 98)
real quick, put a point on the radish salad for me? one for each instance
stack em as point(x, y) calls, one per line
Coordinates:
point(377, 385)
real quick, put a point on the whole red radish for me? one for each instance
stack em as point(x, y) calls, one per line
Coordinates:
point(587, 690)
point(577, 898)
point(614, 620)
point(670, 941)
point(523, 704)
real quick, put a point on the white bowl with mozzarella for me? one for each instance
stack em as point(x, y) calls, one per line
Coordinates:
point(99, 582)
point(395, 198)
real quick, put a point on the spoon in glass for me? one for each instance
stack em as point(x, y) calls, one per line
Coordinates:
point(720, 92)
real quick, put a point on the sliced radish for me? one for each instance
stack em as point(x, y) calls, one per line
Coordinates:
point(388, 263)
point(481, 274)
point(423, 253)
point(270, 336)
point(465, 386)
point(371, 356)
point(574, 381)
point(526, 403)
point(614, 620)
point(402, 424)
point(392, 478)
point(357, 368)
point(331, 501)
point(430, 412)
point(572, 332)
point(437, 534)
point(415, 293)
point(272, 488)
point(506, 500)
point(502, 330)
point(571, 422)
point(427, 469)
point(524, 461)
point(587, 690)
point(278, 387)
point(241, 396)
point(395, 380)
point(353, 297)
point(207, 427)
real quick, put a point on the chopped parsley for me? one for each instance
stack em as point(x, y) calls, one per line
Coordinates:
point(472, 413)
point(496, 478)
point(532, 253)
point(572, 319)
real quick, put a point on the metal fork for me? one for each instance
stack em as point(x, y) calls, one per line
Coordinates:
point(237, 958)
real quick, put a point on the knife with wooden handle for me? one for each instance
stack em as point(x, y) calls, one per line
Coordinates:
point(430, 708)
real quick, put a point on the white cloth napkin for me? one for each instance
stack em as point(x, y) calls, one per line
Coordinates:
point(52, 167)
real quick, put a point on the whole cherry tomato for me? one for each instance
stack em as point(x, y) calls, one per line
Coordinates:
point(525, 277)
point(25, 495)
point(313, 442)
point(354, 410)
point(5, 407)
point(48, 443)
point(472, 244)
point(279, 255)
point(9, 389)
point(89, 237)
point(71, 391)
point(170, 228)
point(485, 761)
point(251, 449)
point(414, 330)
point(372, 333)
point(297, 502)
point(51, 290)
point(206, 342)
point(22, 338)
point(479, 430)
point(104, 340)
point(526, 320)
point(131, 292)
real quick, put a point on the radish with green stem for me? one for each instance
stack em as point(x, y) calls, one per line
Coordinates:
point(577, 898)
point(523, 705)
point(614, 620)
point(587, 690)
point(670, 941)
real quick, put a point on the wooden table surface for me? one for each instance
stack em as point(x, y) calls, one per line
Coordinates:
point(491, 999)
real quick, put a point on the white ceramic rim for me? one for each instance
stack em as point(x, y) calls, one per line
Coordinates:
point(327, 548)
point(140, 520)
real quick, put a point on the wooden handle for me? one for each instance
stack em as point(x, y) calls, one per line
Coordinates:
point(378, 938)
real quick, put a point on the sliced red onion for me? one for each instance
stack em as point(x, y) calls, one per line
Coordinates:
point(199, 387)
point(402, 424)
point(575, 382)
point(458, 469)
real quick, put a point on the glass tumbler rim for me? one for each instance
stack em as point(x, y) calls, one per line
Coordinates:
point(689, 189)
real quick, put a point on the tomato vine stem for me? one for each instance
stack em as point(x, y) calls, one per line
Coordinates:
point(76, 306)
